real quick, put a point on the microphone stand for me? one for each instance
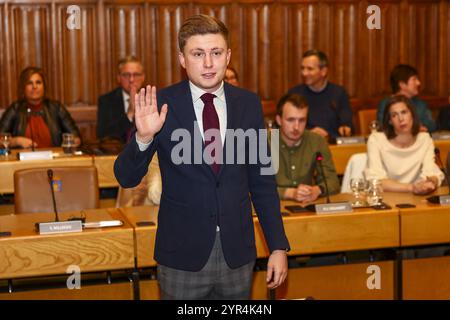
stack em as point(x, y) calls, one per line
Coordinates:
point(31, 129)
point(50, 181)
point(57, 226)
point(319, 157)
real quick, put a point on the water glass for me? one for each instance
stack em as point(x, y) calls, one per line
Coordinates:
point(68, 143)
point(374, 192)
point(5, 139)
point(358, 187)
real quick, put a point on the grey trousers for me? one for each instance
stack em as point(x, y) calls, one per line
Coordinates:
point(216, 281)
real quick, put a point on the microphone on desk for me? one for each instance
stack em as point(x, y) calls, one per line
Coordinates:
point(436, 198)
point(57, 226)
point(50, 181)
point(31, 128)
point(319, 158)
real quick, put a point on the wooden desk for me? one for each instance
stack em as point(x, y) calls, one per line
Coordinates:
point(145, 235)
point(104, 164)
point(105, 169)
point(28, 254)
point(361, 229)
point(427, 224)
point(307, 233)
point(342, 153)
point(10, 164)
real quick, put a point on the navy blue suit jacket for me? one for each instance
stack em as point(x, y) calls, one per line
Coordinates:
point(112, 121)
point(194, 198)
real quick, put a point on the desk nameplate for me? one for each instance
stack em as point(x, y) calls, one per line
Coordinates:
point(337, 207)
point(60, 227)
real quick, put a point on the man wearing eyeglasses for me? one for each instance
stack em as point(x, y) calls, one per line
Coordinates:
point(115, 113)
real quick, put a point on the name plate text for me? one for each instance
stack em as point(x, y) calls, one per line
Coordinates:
point(336, 207)
point(60, 227)
point(350, 140)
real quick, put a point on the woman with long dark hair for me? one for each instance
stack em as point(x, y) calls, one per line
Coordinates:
point(401, 156)
point(34, 119)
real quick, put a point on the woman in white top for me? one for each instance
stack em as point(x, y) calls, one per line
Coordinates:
point(401, 156)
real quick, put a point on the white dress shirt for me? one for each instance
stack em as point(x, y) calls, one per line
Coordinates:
point(126, 100)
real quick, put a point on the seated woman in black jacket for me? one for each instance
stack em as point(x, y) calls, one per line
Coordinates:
point(35, 119)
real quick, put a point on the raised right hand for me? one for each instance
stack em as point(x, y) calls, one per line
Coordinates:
point(146, 116)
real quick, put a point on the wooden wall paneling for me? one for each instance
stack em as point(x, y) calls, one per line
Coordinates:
point(391, 44)
point(263, 53)
point(170, 18)
point(301, 34)
point(101, 53)
point(125, 35)
point(235, 28)
point(149, 38)
point(280, 50)
point(219, 9)
point(422, 50)
point(268, 38)
point(444, 52)
point(324, 41)
point(256, 41)
point(250, 43)
point(344, 46)
point(378, 50)
point(31, 36)
point(54, 68)
point(3, 49)
point(79, 62)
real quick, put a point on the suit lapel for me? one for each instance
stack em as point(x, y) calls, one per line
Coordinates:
point(183, 108)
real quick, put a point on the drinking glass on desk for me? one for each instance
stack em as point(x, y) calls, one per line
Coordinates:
point(5, 139)
point(68, 143)
point(374, 192)
point(358, 187)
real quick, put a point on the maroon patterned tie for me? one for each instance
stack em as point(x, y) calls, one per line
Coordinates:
point(211, 121)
